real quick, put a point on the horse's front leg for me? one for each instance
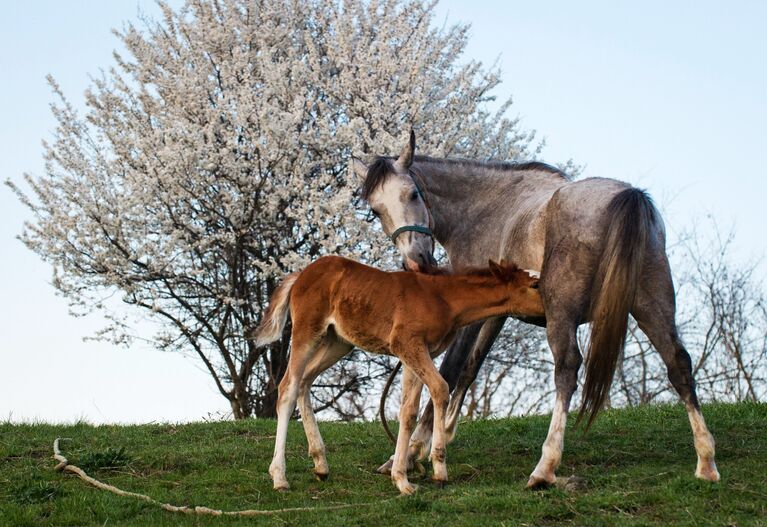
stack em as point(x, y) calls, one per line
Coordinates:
point(484, 342)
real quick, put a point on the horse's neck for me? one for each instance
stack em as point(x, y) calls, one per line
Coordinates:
point(472, 299)
point(454, 194)
point(475, 207)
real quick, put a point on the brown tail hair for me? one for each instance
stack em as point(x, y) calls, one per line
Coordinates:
point(276, 314)
point(615, 283)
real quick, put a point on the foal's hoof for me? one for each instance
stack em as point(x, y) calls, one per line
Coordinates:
point(407, 489)
point(707, 472)
point(281, 487)
point(320, 476)
point(540, 482)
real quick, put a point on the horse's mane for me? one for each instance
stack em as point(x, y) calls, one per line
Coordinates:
point(380, 169)
point(496, 165)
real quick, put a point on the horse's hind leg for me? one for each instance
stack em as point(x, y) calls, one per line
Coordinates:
point(654, 311)
point(561, 332)
point(330, 351)
point(301, 352)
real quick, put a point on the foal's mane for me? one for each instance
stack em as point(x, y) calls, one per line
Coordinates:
point(508, 272)
point(381, 167)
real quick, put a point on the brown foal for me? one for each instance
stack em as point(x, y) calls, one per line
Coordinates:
point(337, 303)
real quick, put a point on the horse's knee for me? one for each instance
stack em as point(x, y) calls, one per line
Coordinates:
point(566, 370)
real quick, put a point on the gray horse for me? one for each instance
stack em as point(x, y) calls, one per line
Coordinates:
point(599, 245)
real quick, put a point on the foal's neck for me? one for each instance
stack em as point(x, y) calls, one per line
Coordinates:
point(474, 298)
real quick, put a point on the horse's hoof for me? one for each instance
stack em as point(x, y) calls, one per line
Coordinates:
point(386, 468)
point(540, 482)
point(320, 476)
point(571, 484)
point(281, 487)
point(440, 483)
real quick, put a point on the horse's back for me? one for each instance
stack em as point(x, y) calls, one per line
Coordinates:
point(578, 213)
point(579, 219)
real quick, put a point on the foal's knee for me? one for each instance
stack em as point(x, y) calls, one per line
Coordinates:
point(440, 394)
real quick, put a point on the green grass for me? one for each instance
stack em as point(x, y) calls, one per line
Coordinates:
point(638, 465)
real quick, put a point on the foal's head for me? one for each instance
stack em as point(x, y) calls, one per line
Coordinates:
point(522, 287)
point(394, 196)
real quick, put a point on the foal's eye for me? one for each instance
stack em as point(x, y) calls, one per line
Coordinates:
point(414, 195)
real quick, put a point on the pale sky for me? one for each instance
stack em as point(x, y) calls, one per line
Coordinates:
point(669, 96)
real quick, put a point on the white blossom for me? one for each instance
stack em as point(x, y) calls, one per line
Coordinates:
point(212, 158)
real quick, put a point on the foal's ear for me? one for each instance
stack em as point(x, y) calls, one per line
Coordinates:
point(406, 156)
point(358, 168)
point(495, 269)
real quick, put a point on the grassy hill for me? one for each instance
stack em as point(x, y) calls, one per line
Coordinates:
point(637, 464)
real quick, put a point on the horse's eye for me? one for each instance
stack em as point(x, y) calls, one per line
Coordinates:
point(414, 195)
point(371, 216)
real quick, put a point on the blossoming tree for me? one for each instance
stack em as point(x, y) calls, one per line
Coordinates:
point(211, 160)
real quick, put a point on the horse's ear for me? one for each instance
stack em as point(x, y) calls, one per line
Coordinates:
point(358, 168)
point(406, 156)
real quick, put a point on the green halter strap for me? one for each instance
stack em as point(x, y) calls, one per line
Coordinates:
point(414, 228)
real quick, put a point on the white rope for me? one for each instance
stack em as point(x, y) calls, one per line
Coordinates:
point(64, 466)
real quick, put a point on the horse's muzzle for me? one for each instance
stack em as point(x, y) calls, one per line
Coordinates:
point(421, 263)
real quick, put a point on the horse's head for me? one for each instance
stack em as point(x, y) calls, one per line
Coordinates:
point(395, 197)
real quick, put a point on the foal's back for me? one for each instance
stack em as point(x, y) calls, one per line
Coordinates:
point(363, 304)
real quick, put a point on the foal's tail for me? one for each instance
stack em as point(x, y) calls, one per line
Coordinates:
point(633, 217)
point(276, 314)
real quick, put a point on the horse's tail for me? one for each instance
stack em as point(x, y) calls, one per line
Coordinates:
point(632, 218)
point(276, 314)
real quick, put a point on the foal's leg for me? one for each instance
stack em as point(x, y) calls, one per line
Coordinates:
point(654, 311)
point(411, 397)
point(286, 403)
point(451, 368)
point(329, 352)
point(423, 365)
